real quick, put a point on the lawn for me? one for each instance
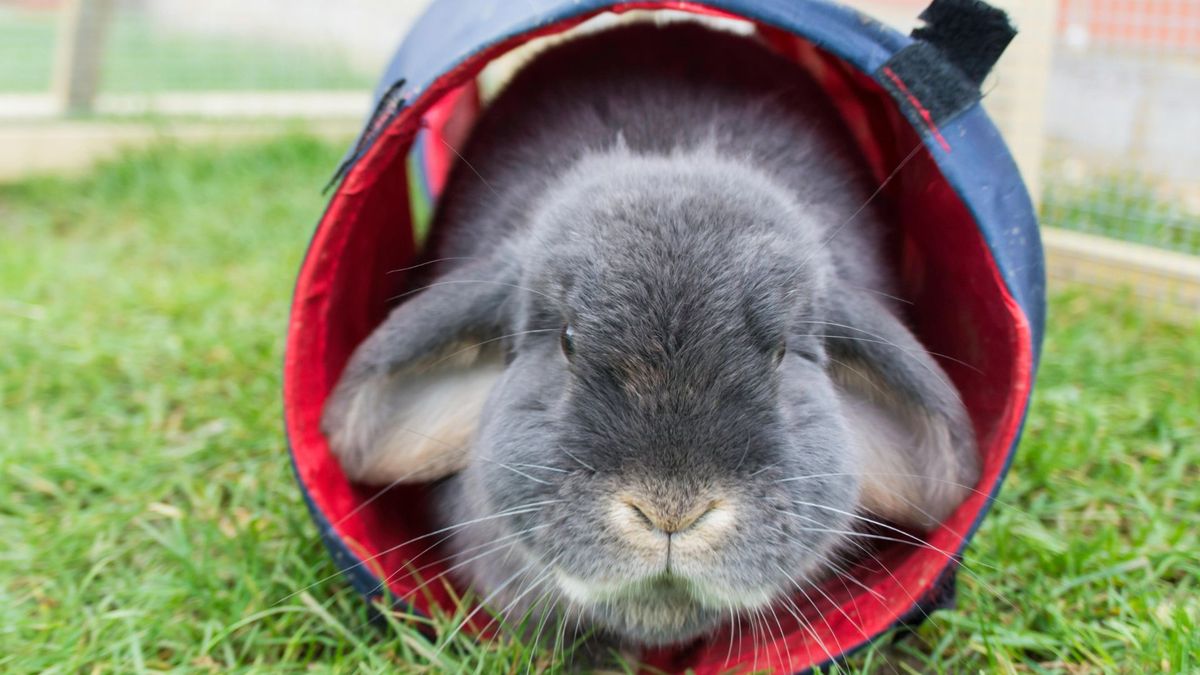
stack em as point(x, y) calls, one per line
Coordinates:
point(1123, 205)
point(151, 521)
point(140, 57)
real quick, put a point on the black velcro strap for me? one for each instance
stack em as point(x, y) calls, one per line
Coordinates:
point(929, 87)
point(970, 33)
point(938, 76)
point(390, 104)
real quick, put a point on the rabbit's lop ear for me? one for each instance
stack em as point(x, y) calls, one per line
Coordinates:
point(409, 400)
point(916, 444)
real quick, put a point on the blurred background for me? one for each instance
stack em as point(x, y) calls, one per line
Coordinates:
point(1099, 101)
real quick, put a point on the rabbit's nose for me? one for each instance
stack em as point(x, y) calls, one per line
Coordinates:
point(669, 519)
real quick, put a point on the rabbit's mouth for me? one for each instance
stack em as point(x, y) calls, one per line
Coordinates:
point(665, 586)
point(662, 609)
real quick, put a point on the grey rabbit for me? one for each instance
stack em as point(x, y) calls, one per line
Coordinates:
point(658, 367)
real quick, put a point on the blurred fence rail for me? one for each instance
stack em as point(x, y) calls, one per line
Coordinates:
point(1098, 99)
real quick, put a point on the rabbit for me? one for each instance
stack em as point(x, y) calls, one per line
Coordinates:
point(657, 376)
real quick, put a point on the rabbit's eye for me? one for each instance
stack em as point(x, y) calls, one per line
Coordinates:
point(567, 341)
point(780, 352)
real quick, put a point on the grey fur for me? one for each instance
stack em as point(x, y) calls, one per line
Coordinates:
point(684, 199)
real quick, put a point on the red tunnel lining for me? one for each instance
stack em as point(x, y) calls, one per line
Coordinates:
point(961, 308)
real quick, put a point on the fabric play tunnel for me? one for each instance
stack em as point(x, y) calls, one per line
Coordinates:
point(968, 252)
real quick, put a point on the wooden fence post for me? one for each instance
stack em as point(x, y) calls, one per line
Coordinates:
point(1021, 81)
point(80, 51)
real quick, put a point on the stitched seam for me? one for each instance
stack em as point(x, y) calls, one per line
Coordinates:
point(916, 104)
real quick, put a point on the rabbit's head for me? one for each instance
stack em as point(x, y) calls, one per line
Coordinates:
point(661, 396)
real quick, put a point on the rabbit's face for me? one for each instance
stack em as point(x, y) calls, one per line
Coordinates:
point(664, 405)
point(693, 409)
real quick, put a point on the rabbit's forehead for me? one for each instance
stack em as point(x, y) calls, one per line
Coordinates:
point(638, 263)
point(685, 290)
point(652, 217)
point(660, 347)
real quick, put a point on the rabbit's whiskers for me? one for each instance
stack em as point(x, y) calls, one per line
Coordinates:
point(498, 338)
point(544, 575)
point(470, 166)
point(880, 293)
point(782, 634)
point(488, 544)
point(527, 508)
point(919, 544)
point(882, 567)
point(844, 575)
point(808, 624)
point(732, 621)
point(795, 611)
point(863, 376)
point(446, 282)
point(884, 340)
point(878, 191)
point(539, 466)
point(841, 576)
point(970, 488)
point(515, 470)
point(547, 611)
point(528, 586)
point(582, 463)
point(386, 582)
point(398, 481)
point(906, 352)
point(483, 603)
point(909, 539)
point(431, 262)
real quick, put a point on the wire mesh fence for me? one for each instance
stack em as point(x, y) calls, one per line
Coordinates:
point(1124, 158)
point(1099, 99)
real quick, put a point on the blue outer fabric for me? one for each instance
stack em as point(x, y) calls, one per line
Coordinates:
point(980, 168)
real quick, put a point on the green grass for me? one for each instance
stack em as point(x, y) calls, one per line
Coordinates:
point(150, 520)
point(142, 57)
point(26, 50)
point(1124, 206)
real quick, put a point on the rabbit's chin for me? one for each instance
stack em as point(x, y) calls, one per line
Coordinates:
point(656, 611)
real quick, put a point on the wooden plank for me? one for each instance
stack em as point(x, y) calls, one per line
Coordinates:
point(72, 147)
point(217, 105)
point(1164, 277)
